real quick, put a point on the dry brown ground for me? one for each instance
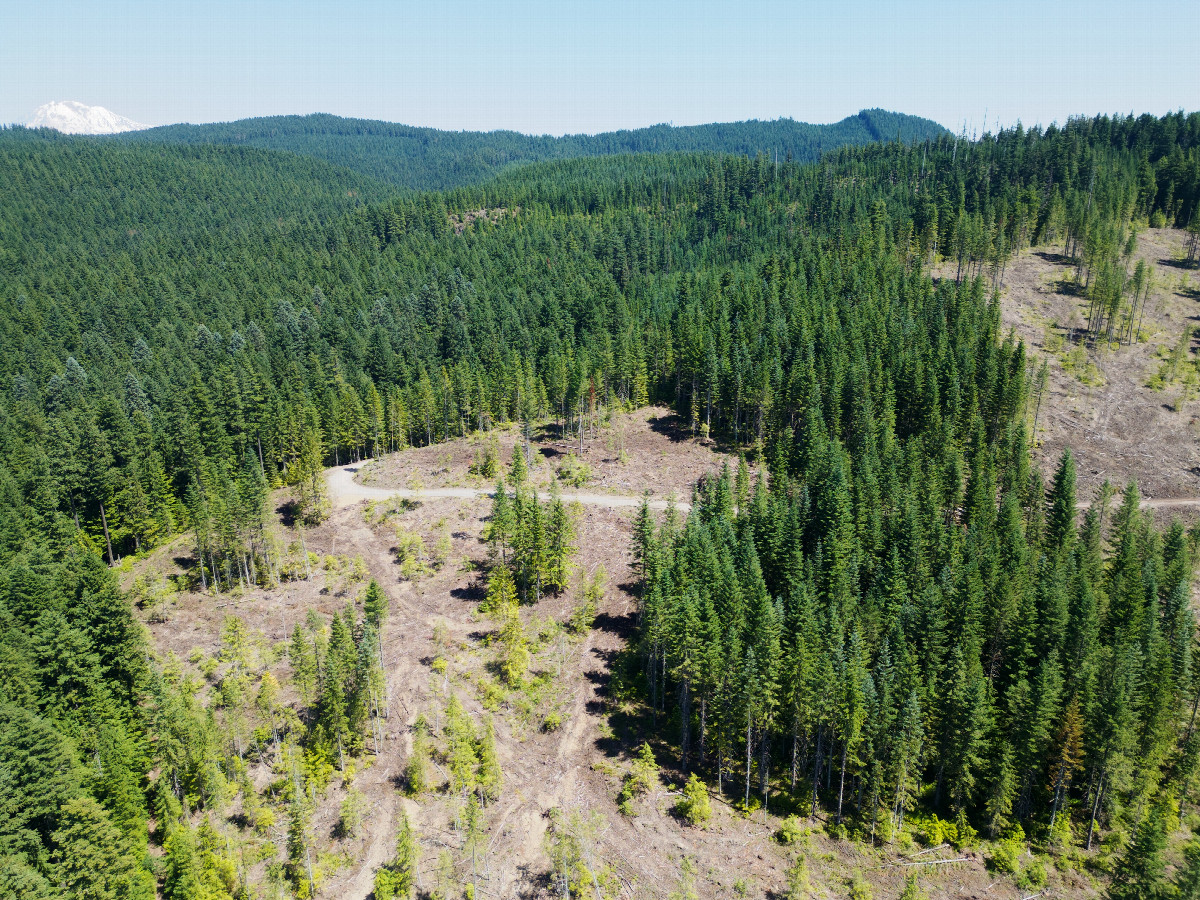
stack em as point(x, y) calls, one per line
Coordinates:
point(660, 457)
point(1117, 428)
point(576, 767)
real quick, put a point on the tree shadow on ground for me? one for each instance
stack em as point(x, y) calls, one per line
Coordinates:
point(671, 426)
point(1059, 259)
point(474, 592)
point(1069, 287)
point(288, 512)
point(1179, 264)
point(621, 626)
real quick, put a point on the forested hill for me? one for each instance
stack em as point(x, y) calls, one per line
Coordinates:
point(426, 158)
point(68, 194)
point(901, 619)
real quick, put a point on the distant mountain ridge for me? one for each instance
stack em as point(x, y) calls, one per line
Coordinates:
point(430, 159)
point(73, 117)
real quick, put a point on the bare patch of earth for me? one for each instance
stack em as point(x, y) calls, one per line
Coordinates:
point(1098, 401)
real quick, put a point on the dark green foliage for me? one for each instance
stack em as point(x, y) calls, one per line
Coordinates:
point(428, 159)
point(896, 605)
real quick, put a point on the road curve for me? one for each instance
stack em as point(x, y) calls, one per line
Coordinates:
point(345, 491)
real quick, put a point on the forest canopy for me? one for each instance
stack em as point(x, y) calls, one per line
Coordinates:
point(429, 159)
point(900, 611)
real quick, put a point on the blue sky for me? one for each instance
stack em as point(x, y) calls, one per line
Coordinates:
point(584, 66)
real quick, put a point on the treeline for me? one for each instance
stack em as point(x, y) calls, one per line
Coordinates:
point(429, 159)
point(973, 653)
point(686, 280)
point(185, 328)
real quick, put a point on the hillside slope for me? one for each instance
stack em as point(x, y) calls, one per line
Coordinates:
point(430, 159)
point(879, 617)
point(1120, 409)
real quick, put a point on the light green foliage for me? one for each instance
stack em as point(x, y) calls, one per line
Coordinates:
point(859, 888)
point(196, 868)
point(501, 605)
point(1177, 368)
point(518, 472)
point(352, 813)
point(410, 550)
point(792, 830)
point(584, 614)
point(686, 889)
point(640, 780)
point(491, 779)
point(396, 880)
point(155, 594)
point(1005, 855)
point(1186, 883)
point(416, 770)
point(487, 460)
point(798, 885)
point(693, 805)
point(643, 774)
point(912, 890)
point(571, 845)
point(574, 471)
point(1032, 876)
point(21, 881)
point(442, 550)
point(462, 753)
point(501, 594)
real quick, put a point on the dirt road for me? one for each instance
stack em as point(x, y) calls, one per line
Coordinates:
point(345, 491)
point(1153, 503)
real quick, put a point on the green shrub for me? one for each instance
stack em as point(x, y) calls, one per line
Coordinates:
point(860, 888)
point(352, 814)
point(487, 460)
point(644, 773)
point(791, 831)
point(693, 805)
point(798, 886)
point(584, 615)
point(1005, 858)
point(1032, 876)
point(574, 471)
point(641, 779)
point(410, 549)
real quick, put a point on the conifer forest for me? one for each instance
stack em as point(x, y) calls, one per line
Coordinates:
point(877, 620)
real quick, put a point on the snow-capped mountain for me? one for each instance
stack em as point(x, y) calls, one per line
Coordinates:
point(73, 117)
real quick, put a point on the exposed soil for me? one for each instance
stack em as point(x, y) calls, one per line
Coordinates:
point(646, 451)
point(1117, 426)
point(577, 766)
point(1098, 401)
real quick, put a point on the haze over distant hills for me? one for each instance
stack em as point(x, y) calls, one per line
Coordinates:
point(429, 159)
point(73, 117)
